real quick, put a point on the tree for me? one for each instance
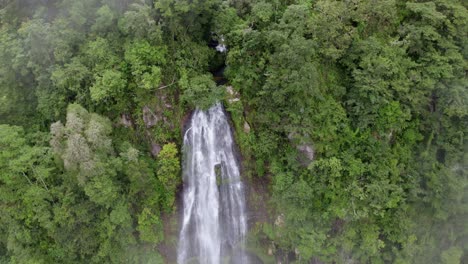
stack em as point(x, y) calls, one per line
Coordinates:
point(109, 84)
point(146, 62)
point(169, 172)
point(25, 200)
point(200, 91)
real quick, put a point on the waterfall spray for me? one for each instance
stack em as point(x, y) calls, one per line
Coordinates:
point(214, 216)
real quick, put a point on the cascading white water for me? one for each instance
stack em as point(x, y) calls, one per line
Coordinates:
point(214, 218)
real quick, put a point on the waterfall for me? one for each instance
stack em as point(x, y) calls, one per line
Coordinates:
point(214, 217)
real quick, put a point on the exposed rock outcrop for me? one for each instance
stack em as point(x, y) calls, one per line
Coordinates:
point(155, 149)
point(149, 117)
point(125, 120)
point(233, 96)
point(305, 149)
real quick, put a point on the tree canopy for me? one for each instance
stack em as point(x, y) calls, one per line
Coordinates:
point(354, 113)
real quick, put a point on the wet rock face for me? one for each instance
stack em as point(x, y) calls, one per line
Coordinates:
point(251, 258)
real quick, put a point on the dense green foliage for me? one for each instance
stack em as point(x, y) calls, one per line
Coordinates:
point(355, 112)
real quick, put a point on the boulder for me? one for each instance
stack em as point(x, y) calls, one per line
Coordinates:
point(279, 222)
point(246, 127)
